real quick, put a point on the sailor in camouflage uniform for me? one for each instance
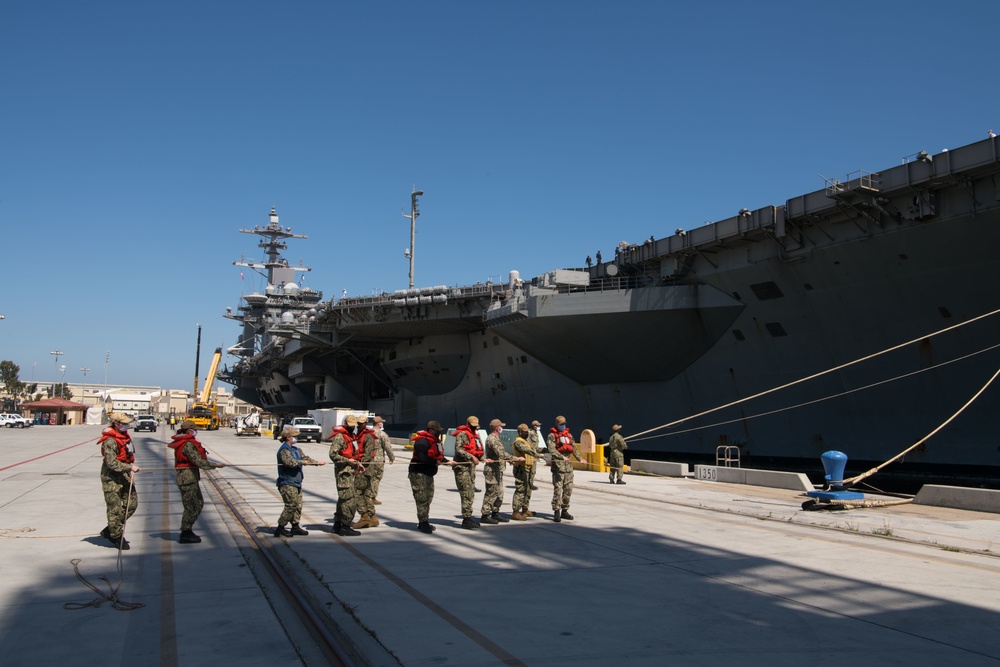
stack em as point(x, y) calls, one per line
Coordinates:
point(290, 462)
point(468, 452)
point(616, 454)
point(346, 453)
point(496, 458)
point(523, 473)
point(190, 458)
point(383, 449)
point(117, 478)
point(427, 456)
point(364, 493)
point(562, 449)
point(535, 438)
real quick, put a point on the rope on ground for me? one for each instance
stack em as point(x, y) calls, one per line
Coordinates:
point(867, 503)
point(102, 597)
point(813, 376)
point(927, 437)
point(112, 595)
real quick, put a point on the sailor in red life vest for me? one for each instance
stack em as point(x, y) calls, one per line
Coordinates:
point(468, 453)
point(363, 498)
point(427, 456)
point(346, 452)
point(117, 478)
point(190, 458)
point(562, 450)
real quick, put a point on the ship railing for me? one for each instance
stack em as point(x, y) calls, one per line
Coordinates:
point(425, 296)
point(727, 455)
point(609, 284)
point(856, 180)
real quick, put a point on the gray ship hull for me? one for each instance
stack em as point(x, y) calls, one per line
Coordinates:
point(694, 321)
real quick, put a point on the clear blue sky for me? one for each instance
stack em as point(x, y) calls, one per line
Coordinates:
point(139, 137)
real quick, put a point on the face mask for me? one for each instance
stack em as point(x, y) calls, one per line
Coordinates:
point(122, 428)
point(291, 441)
point(192, 433)
point(562, 427)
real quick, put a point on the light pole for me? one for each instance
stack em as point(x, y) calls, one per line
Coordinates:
point(55, 364)
point(414, 214)
point(83, 399)
point(62, 392)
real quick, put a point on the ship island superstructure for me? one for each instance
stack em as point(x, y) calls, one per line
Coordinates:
point(675, 326)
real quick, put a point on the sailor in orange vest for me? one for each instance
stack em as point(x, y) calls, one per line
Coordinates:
point(468, 453)
point(190, 458)
point(117, 478)
point(562, 450)
point(346, 453)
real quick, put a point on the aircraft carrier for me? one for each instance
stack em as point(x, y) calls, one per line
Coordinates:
point(898, 268)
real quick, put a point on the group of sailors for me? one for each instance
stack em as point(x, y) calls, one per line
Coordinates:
point(359, 454)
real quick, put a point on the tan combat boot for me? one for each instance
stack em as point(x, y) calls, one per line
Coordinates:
point(518, 516)
point(373, 520)
point(361, 523)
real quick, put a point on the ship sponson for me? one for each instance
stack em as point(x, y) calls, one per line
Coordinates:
point(677, 326)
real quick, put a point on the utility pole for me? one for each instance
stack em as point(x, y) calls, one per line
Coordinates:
point(414, 214)
point(83, 398)
point(55, 364)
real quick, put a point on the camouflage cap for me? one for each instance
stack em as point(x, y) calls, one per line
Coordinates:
point(187, 425)
point(434, 426)
point(522, 427)
point(536, 423)
point(289, 432)
point(616, 427)
point(560, 420)
point(472, 421)
point(378, 420)
point(497, 422)
point(350, 420)
point(119, 418)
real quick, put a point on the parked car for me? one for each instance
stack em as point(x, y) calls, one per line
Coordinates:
point(145, 423)
point(14, 421)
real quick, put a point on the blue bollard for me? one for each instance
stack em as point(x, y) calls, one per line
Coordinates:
point(834, 463)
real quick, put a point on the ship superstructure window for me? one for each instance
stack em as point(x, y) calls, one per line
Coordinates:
point(768, 290)
point(775, 329)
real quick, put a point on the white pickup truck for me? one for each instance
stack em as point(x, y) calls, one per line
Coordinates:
point(308, 429)
point(14, 421)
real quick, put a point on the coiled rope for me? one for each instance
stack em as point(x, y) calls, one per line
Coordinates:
point(112, 595)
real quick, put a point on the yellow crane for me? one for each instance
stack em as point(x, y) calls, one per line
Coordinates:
point(204, 412)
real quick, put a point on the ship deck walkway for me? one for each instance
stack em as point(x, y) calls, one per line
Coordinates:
point(657, 571)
